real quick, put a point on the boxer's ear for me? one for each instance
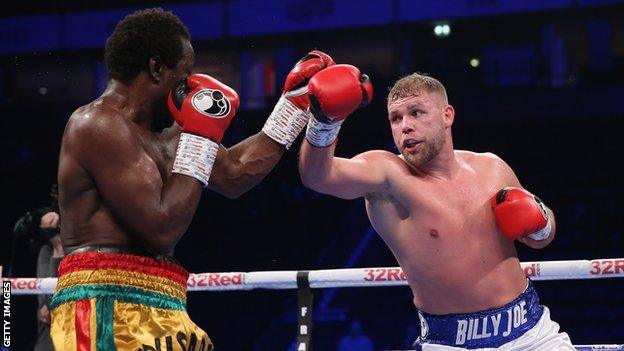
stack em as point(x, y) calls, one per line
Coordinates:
point(155, 68)
point(449, 115)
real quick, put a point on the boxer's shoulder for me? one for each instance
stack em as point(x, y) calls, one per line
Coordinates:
point(378, 156)
point(98, 120)
point(479, 160)
point(468, 155)
point(94, 129)
point(383, 159)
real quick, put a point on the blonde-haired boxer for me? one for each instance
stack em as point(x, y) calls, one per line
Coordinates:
point(130, 180)
point(449, 216)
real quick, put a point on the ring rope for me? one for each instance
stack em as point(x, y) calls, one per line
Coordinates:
point(351, 277)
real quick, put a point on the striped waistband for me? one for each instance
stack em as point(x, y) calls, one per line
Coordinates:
point(124, 277)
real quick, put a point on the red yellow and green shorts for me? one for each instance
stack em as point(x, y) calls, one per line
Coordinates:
point(111, 301)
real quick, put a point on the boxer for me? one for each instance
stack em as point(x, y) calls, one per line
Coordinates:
point(450, 217)
point(130, 180)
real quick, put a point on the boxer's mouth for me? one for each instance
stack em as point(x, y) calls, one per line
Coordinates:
point(411, 144)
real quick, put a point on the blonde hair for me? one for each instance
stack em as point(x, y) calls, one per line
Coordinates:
point(412, 84)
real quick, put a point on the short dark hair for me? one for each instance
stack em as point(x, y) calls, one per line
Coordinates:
point(140, 36)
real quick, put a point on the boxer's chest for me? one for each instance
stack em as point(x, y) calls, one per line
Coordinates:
point(460, 203)
point(162, 151)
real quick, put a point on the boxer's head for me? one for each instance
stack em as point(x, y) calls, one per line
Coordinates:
point(155, 45)
point(420, 117)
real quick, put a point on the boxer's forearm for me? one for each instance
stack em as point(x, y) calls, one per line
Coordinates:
point(161, 223)
point(241, 167)
point(315, 164)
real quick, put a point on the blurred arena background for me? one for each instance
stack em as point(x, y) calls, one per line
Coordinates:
point(540, 83)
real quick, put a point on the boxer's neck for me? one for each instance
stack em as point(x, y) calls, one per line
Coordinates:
point(134, 100)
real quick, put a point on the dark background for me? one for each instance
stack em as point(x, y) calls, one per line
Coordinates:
point(547, 97)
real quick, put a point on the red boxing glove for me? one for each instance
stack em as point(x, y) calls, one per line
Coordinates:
point(291, 111)
point(519, 213)
point(300, 75)
point(203, 106)
point(335, 93)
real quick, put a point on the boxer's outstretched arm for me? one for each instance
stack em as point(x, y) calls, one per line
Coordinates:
point(128, 180)
point(335, 93)
point(239, 168)
point(341, 177)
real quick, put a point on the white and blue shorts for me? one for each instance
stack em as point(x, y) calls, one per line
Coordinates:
point(523, 324)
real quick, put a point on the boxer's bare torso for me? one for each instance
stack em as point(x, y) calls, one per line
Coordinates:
point(88, 219)
point(443, 232)
point(115, 184)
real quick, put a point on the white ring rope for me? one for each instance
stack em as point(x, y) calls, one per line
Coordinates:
point(352, 277)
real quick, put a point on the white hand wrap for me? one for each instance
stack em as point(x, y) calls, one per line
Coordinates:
point(543, 233)
point(285, 122)
point(322, 134)
point(195, 157)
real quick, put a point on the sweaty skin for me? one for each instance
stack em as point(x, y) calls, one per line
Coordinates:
point(431, 206)
point(115, 180)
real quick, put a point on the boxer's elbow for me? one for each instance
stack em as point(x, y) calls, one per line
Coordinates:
point(316, 179)
point(164, 242)
point(161, 234)
point(308, 175)
point(160, 247)
point(310, 180)
point(233, 191)
point(156, 241)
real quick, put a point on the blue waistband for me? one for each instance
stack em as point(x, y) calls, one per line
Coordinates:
point(490, 328)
